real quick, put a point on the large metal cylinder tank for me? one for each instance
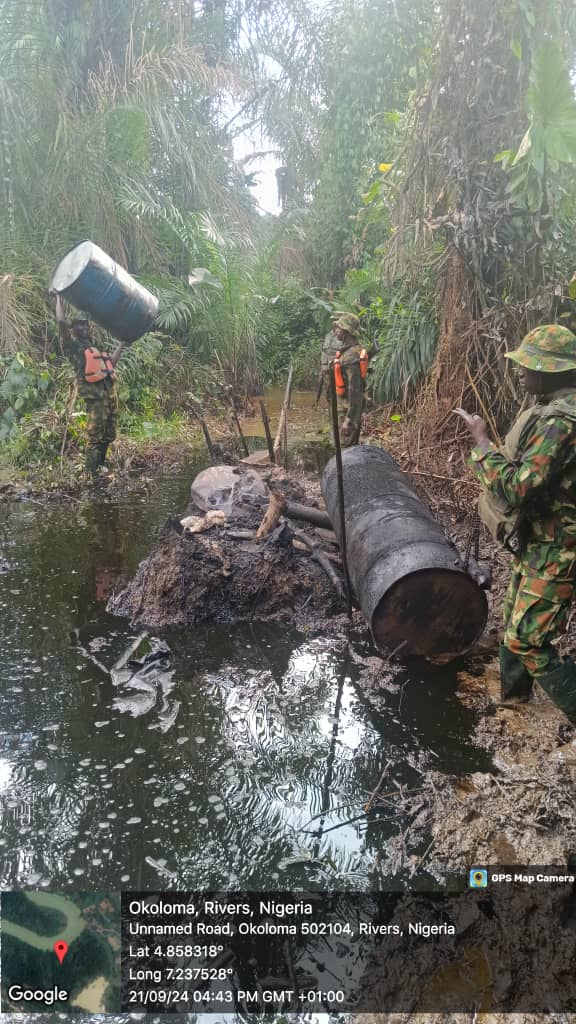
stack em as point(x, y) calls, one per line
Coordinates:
point(407, 575)
point(91, 280)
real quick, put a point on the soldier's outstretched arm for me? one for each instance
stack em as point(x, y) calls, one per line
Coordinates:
point(547, 448)
point(63, 325)
point(117, 353)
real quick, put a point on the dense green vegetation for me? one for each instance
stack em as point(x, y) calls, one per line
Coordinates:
point(426, 157)
point(42, 920)
point(89, 957)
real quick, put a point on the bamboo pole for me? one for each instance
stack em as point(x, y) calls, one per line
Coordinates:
point(281, 432)
point(341, 507)
point(266, 423)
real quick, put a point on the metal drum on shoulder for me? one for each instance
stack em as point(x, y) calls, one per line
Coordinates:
point(94, 283)
point(407, 575)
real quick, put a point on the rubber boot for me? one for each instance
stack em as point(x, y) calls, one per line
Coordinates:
point(560, 685)
point(515, 680)
point(95, 458)
point(103, 451)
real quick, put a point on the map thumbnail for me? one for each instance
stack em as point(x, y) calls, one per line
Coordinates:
point(54, 943)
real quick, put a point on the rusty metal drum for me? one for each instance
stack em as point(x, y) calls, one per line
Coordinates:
point(407, 575)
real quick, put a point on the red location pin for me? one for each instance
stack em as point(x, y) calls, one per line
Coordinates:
point(60, 948)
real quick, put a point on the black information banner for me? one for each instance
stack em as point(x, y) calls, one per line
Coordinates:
point(508, 945)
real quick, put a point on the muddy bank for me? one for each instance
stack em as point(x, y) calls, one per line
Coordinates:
point(518, 811)
point(131, 467)
point(513, 950)
point(227, 575)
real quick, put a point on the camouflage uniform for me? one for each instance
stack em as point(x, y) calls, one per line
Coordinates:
point(101, 398)
point(349, 406)
point(541, 484)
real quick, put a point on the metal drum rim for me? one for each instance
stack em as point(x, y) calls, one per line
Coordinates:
point(480, 594)
point(387, 568)
point(63, 286)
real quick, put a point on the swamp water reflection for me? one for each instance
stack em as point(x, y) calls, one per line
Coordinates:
point(240, 768)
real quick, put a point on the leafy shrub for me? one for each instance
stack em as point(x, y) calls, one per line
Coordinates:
point(406, 336)
point(294, 327)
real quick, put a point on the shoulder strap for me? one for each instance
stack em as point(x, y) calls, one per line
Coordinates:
point(561, 406)
point(512, 442)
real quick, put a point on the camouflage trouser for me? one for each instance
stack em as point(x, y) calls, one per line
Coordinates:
point(102, 413)
point(536, 612)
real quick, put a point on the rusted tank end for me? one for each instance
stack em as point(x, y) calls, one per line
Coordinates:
point(407, 575)
point(431, 612)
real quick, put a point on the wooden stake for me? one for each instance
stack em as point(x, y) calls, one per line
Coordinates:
point(197, 412)
point(240, 434)
point(341, 507)
point(266, 423)
point(280, 433)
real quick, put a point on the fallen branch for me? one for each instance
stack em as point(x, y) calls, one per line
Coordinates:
point(374, 794)
point(328, 536)
point(320, 556)
point(240, 534)
point(438, 476)
point(276, 507)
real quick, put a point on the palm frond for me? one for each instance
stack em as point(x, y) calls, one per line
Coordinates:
point(407, 339)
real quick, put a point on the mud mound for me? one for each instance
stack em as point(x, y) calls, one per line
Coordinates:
point(225, 575)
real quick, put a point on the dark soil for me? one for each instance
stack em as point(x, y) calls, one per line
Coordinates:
point(219, 577)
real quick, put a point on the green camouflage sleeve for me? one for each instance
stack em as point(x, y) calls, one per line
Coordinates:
point(547, 448)
point(71, 350)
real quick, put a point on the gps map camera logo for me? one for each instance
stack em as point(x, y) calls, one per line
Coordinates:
point(478, 878)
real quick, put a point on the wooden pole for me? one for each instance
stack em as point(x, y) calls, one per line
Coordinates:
point(341, 507)
point(266, 423)
point(294, 510)
point(197, 411)
point(280, 433)
point(240, 434)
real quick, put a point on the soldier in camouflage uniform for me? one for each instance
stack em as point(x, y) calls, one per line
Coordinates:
point(100, 396)
point(343, 338)
point(529, 503)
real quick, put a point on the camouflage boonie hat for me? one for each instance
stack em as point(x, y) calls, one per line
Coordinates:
point(348, 322)
point(548, 349)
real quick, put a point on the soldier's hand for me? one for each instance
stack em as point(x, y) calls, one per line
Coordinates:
point(476, 425)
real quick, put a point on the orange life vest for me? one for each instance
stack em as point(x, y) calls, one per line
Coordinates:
point(97, 366)
point(339, 376)
point(339, 381)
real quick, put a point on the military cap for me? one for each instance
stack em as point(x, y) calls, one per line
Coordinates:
point(347, 321)
point(547, 349)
